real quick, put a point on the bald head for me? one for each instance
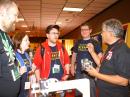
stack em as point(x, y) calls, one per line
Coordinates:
point(8, 15)
point(6, 4)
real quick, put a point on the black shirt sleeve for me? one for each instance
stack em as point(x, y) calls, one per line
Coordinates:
point(98, 48)
point(0, 70)
point(122, 62)
point(1, 51)
point(75, 49)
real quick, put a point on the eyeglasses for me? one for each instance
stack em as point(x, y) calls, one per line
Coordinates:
point(85, 29)
point(54, 33)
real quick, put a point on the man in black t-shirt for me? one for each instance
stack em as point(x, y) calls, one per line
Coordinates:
point(81, 56)
point(115, 65)
point(9, 75)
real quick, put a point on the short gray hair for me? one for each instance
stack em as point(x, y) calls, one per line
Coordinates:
point(115, 26)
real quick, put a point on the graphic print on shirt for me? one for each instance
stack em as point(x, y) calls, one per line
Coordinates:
point(54, 56)
point(27, 63)
point(85, 62)
point(14, 70)
point(82, 47)
point(8, 48)
point(56, 67)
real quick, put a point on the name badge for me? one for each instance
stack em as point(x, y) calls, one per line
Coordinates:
point(27, 85)
point(15, 73)
point(56, 69)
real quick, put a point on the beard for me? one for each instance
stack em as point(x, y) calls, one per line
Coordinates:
point(10, 27)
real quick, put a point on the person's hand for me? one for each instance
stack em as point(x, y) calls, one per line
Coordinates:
point(72, 70)
point(67, 68)
point(31, 73)
point(92, 71)
point(65, 77)
point(23, 69)
point(33, 67)
point(90, 47)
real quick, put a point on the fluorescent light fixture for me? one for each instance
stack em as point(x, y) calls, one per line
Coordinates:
point(20, 19)
point(24, 26)
point(72, 9)
point(58, 23)
point(27, 31)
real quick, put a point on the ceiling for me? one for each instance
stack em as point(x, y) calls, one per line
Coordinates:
point(38, 14)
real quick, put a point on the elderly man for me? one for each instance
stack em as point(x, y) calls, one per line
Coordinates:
point(9, 87)
point(115, 65)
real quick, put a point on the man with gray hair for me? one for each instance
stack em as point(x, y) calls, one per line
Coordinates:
point(9, 75)
point(115, 65)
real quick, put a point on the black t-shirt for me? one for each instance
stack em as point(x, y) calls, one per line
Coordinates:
point(8, 87)
point(4, 55)
point(56, 70)
point(7, 55)
point(82, 52)
point(115, 62)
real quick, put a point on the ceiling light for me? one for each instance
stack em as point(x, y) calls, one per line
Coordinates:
point(58, 23)
point(72, 9)
point(24, 26)
point(20, 19)
point(27, 31)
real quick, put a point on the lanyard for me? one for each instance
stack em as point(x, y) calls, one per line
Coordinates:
point(7, 47)
point(120, 41)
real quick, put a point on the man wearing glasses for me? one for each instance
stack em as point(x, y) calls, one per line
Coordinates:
point(81, 58)
point(55, 61)
point(115, 65)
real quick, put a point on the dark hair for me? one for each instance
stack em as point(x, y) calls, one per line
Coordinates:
point(50, 27)
point(87, 24)
point(17, 39)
